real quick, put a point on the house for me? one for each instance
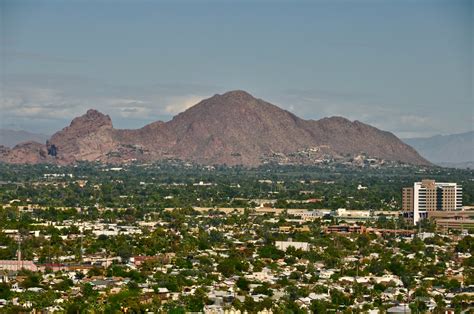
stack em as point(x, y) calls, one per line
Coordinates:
point(401, 308)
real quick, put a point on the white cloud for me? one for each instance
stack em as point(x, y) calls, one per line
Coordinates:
point(47, 106)
point(50, 105)
point(37, 103)
point(127, 107)
point(181, 103)
point(388, 117)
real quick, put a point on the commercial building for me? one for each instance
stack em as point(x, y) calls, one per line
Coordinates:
point(407, 199)
point(347, 229)
point(284, 245)
point(458, 220)
point(430, 196)
point(16, 265)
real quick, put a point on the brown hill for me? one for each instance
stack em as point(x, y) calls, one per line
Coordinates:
point(233, 128)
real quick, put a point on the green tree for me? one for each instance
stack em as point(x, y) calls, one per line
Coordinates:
point(5, 292)
point(243, 284)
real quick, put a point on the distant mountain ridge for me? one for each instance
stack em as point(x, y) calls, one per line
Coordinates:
point(10, 138)
point(233, 128)
point(459, 165)
point(454, 149)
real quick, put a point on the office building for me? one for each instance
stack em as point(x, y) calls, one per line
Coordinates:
point(430, 196)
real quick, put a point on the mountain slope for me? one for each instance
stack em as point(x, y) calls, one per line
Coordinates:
point(455, 148)
point(233, 128)
point(236, 128)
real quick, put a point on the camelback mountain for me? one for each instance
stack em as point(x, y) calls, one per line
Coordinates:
point(233, 129)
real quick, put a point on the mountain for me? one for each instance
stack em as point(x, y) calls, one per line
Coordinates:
point(10, 138)
point(447, 150)
point(459, 165)
point(234, 129)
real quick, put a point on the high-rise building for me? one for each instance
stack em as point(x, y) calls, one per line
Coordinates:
point(407, 199)
point(427, 196)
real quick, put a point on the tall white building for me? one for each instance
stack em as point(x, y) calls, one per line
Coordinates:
point(429, 195)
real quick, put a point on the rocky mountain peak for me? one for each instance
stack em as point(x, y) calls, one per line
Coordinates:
point(237, 95)
point(92, 119)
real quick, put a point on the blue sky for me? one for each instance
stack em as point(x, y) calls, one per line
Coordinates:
point(403, 66)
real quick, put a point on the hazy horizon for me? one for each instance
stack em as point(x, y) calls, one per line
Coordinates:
point(138, 126)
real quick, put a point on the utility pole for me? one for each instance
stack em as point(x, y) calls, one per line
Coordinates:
point(20, 266)
point(82, 248)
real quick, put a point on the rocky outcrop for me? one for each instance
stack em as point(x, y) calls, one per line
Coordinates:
point(87, 138)
point(25, 153)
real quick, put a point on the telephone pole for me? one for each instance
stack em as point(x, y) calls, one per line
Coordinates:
point(19, 266)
